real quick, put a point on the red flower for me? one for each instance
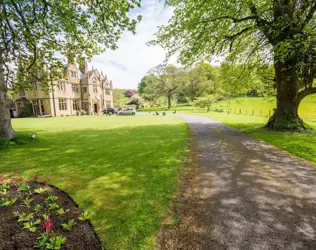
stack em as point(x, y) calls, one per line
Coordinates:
point(11, 181)
point(48, 224)
point(36, 177)
point(45, 183)
point(1, 181)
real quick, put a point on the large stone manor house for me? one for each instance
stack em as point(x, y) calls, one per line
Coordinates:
point(82, 89)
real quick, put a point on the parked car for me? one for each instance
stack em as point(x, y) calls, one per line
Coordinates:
point(110, 111)
point(128, 111)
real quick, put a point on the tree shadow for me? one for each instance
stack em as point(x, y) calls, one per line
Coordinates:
point(250, 195)
point(126, 176)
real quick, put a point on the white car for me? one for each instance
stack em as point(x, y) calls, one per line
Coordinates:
point(128, 111)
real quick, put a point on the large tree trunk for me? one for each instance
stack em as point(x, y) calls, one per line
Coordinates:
point(169, 101)
point(6, 130)
point(286, 116)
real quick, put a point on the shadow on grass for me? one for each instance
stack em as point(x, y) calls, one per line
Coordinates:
point(125, 176)
point(299, 144)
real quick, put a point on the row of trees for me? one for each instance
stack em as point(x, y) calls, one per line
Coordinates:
point(204, 81)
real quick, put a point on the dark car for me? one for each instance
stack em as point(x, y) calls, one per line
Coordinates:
point(111, 111)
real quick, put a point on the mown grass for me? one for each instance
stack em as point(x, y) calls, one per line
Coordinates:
point(299, 144)
point(123, 169)
point(258, 106)
point(264, 106)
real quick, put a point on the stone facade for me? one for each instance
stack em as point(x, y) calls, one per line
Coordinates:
point(86, 90)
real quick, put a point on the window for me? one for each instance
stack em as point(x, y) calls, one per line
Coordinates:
point(75, 104)
point(107, 92)
point(62, 104)
point(22, 92)
point(84, 89)
point(108, 104)
point(61, 86)
point(34, 84)
point(95, 88)
point(75, 88)
point(19, 106)
point(73, 74)
point(36, 109)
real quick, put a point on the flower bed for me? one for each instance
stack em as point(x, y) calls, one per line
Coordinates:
point(34, 215)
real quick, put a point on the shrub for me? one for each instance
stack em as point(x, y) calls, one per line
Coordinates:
point(26, 111)
point(82, 112)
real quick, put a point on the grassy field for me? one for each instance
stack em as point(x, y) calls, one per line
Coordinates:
point(246, 106)
point(123, 169)
point(299, 144)
point(265, 106)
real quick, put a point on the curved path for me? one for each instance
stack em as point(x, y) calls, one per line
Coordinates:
point(246, 194)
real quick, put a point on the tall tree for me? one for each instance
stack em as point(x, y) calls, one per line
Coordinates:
point(236, 80)
point(32, 31)
point(146, 88)
point(281, 33)
point(198, 80)
point(167, 81)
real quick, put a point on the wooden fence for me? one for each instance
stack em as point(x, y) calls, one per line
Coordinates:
point(244, 111)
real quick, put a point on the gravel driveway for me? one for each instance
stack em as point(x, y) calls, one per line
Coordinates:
point(244, 194)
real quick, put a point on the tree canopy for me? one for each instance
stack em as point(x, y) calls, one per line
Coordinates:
point(162, 81)
point(40, 32)
point(198, 80)
point(280, 33)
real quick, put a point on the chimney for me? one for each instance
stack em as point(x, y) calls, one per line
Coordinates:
point(84, 65)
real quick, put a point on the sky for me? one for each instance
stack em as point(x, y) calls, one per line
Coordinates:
point(133, 59)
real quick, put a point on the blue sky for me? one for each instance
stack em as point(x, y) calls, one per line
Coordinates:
point(133, 58)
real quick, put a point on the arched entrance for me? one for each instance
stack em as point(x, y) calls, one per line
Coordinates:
point(95, 107)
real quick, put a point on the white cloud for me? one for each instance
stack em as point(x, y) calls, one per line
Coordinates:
point(133, 58)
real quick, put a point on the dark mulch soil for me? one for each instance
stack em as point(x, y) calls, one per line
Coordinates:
point(13, 236)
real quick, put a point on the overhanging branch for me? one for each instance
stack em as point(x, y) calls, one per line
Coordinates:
point(309, 16)
point(309, 91)
point(234, 19)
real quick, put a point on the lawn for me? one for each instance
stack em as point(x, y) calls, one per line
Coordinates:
point(299, 144)
point(258, 106)
point(264, 106)
point(123, 169)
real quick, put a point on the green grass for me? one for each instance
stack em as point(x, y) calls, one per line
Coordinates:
point(123, 169)
point(264, 106)
point(299, 144)
point(260, 106)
